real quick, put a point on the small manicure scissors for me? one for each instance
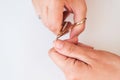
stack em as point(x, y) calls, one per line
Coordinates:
point(66, 27)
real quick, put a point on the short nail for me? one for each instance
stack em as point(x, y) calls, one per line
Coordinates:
point(74, 33)
point(59, 44)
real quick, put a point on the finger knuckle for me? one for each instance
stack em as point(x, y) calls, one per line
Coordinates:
point(51, 26)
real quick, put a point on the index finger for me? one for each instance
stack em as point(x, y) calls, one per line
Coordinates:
point(55, 15)
point(69, 49)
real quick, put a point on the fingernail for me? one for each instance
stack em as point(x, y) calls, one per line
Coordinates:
point(58, 44)
point(75, 38)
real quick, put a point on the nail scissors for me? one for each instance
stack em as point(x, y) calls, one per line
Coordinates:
point(66, 27)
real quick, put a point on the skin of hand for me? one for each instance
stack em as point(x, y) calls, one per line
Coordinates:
point(52, 13)
point(81, 62)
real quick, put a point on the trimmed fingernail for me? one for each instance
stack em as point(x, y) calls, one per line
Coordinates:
point(75, 38)
point(58, 44)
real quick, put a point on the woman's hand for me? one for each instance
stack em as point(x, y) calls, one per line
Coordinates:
point(52, 13)
point(81, 62)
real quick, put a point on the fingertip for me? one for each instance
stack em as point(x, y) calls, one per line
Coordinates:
point(73, 40)
point(77, 30)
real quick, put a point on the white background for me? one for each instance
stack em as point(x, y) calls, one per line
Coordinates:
point(24, 40)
